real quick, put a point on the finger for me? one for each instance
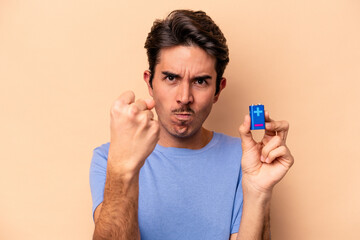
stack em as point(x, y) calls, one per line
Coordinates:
point(274, 143)
point(127, 97)
point(273, 128)
point(149, 114)
point(267, 117)
point(281, 151)
point(279, 128)
point(245, 133)
point(123, 100)
point(150, 103)
point(141, 105)
point(145, 117)
point(267, 120)
point(154, 125)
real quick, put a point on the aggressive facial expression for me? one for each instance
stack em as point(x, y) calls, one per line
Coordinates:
point(183, 88)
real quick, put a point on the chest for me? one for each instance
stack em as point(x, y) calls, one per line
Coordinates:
point(177, 199)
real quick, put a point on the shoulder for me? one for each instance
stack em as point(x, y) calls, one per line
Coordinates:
point(102, 150)
point(227, 145)
point(226, 140)
point(100, 156)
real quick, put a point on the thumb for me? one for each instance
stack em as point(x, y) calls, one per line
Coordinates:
point(150, 103)
point(245, 134)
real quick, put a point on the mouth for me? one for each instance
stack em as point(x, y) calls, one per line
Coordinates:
point(183, 116)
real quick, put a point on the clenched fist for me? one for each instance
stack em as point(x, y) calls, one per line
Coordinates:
point(134, 133)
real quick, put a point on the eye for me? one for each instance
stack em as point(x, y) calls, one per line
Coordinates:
point(170, 77)
point(200, 81)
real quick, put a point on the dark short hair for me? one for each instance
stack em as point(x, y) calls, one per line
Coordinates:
point(187, 28)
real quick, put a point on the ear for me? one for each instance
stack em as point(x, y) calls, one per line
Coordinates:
point(147, 75)
point(221, 87)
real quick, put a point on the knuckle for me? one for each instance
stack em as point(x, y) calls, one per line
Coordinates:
point(284, 149)
point(271, 155)
point(133, 109)
point(292, 159)
point(141, 104)
point(142, 117)
point(241, 128)
point(140, 101)
point(281, 151)
point(116, 104)
point(127, 94)
point(115, 108)
point(264, 152)
point(126, 98)
point(278, 139)
point(286, 124)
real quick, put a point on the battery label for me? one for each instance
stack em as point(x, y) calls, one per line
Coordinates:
point(257, 114)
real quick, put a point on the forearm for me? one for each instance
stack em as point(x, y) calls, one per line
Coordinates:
point(118, 217)
point(255, 220)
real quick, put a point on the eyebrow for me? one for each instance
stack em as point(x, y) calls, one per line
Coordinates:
point(204, 77)
point(170, 74)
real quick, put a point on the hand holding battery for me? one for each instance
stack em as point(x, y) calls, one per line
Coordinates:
point(266, 162)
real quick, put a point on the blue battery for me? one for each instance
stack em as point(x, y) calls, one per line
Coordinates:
point(257, 114)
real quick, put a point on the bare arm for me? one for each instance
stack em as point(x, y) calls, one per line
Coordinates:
point(117, 216)
point(133, 137)
point(255, 220)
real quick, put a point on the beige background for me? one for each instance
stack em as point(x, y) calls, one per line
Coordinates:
point(63, 62)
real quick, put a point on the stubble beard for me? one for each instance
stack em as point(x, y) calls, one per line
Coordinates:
point(183, 129)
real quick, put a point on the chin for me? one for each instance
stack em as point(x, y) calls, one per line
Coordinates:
point(186, 133)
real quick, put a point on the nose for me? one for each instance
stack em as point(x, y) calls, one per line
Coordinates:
point(184, 94)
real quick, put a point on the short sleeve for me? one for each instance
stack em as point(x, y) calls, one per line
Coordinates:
point(237, 207)
point(98, 174)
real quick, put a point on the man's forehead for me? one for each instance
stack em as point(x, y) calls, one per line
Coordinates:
point(180, 57)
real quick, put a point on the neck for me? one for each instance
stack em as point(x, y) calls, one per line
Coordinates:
point(196, 141)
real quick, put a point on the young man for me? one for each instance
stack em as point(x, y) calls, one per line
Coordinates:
point(171, 178)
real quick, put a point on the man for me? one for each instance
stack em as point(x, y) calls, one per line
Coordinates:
point(171, 178)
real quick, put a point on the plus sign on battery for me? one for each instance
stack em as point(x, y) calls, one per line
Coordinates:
point(257, 117)
point(258, 111)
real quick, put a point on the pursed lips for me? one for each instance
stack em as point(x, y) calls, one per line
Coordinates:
point(183, 116)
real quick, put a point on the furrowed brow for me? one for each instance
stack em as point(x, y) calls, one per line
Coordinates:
point(205, 77)
point(167, 73)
